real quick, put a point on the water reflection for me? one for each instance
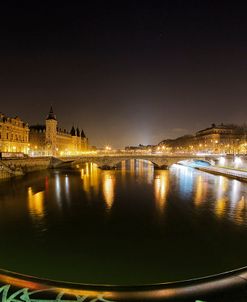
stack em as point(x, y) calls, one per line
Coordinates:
point(161, 189)
point(108, 187)
point(241, 211)
point(58, 189)
point(230, 203)
point(140, 168)
point(201, 208)
point(184, 178)
point(67, 189)
point(90, 179)
point(235, 192)
point(222, 200)
point(36, 206)
point(189, 182)
point(200, 190)
point(123, 168)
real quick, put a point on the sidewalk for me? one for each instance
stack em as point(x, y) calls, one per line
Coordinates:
point(236, 174)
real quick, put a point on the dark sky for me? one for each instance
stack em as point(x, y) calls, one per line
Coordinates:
point(128, 72)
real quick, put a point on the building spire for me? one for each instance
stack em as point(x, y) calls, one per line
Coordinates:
point(51, 115)
point(83, 134)
point(78, 132)
point(72, 131)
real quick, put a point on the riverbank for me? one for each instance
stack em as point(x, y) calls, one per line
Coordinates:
point(231, 173)
point(21, 166)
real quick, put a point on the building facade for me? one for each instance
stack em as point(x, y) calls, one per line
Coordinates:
point(219, 138)
point(229, 139)
point(51, 140)
point(14, 135)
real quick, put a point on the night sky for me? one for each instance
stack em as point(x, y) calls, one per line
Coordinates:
point(127, 72)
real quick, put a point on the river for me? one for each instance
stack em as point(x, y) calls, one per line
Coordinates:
point(133, 225)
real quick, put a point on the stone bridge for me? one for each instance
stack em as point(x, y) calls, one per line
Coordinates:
point(14, 167)
point(111, 161)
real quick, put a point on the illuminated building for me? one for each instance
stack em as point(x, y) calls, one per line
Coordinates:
point(14, 134)
point(219, 138)
point(51, 140)
point(215, 139)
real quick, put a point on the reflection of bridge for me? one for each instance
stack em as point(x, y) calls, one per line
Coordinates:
point(112, 160)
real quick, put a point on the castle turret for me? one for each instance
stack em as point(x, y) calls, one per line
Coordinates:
point(83, 134)
point(51, 133)
point(72, 131)
point(51, 115)
point(84, 141)
point(78, 132)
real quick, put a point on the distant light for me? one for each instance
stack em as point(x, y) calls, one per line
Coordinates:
point(201, 153)
point(222, 160)
point(237, 160)
point(107, 148)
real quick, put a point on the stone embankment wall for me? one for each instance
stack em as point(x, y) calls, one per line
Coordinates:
point(238, 162)
point(15, 167)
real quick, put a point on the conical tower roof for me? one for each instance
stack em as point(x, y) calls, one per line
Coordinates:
point(51, 115)
point(83, 134)
point(77, 132)
point(72, 131)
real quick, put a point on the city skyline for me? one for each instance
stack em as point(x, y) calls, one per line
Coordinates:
point(136, 72)
point(239, 127)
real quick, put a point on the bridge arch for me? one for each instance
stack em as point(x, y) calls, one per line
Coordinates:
point(196, 162)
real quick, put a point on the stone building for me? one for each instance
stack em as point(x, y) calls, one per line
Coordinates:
point(219, 138)
point(49, 139)
point(14, 135)
point(215, 139)
point(183, 143)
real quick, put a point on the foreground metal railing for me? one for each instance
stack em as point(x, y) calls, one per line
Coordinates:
point(230, 286)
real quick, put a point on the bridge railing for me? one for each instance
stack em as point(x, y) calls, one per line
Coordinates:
point(229, 286)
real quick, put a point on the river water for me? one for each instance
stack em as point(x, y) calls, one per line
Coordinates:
point(134, 225)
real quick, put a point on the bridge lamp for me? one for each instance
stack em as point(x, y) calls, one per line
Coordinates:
point(222, 160)
point(237, 160)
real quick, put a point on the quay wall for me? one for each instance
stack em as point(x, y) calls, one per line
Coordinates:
point(21, 166)
point(238, 162)
point(231, 173)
